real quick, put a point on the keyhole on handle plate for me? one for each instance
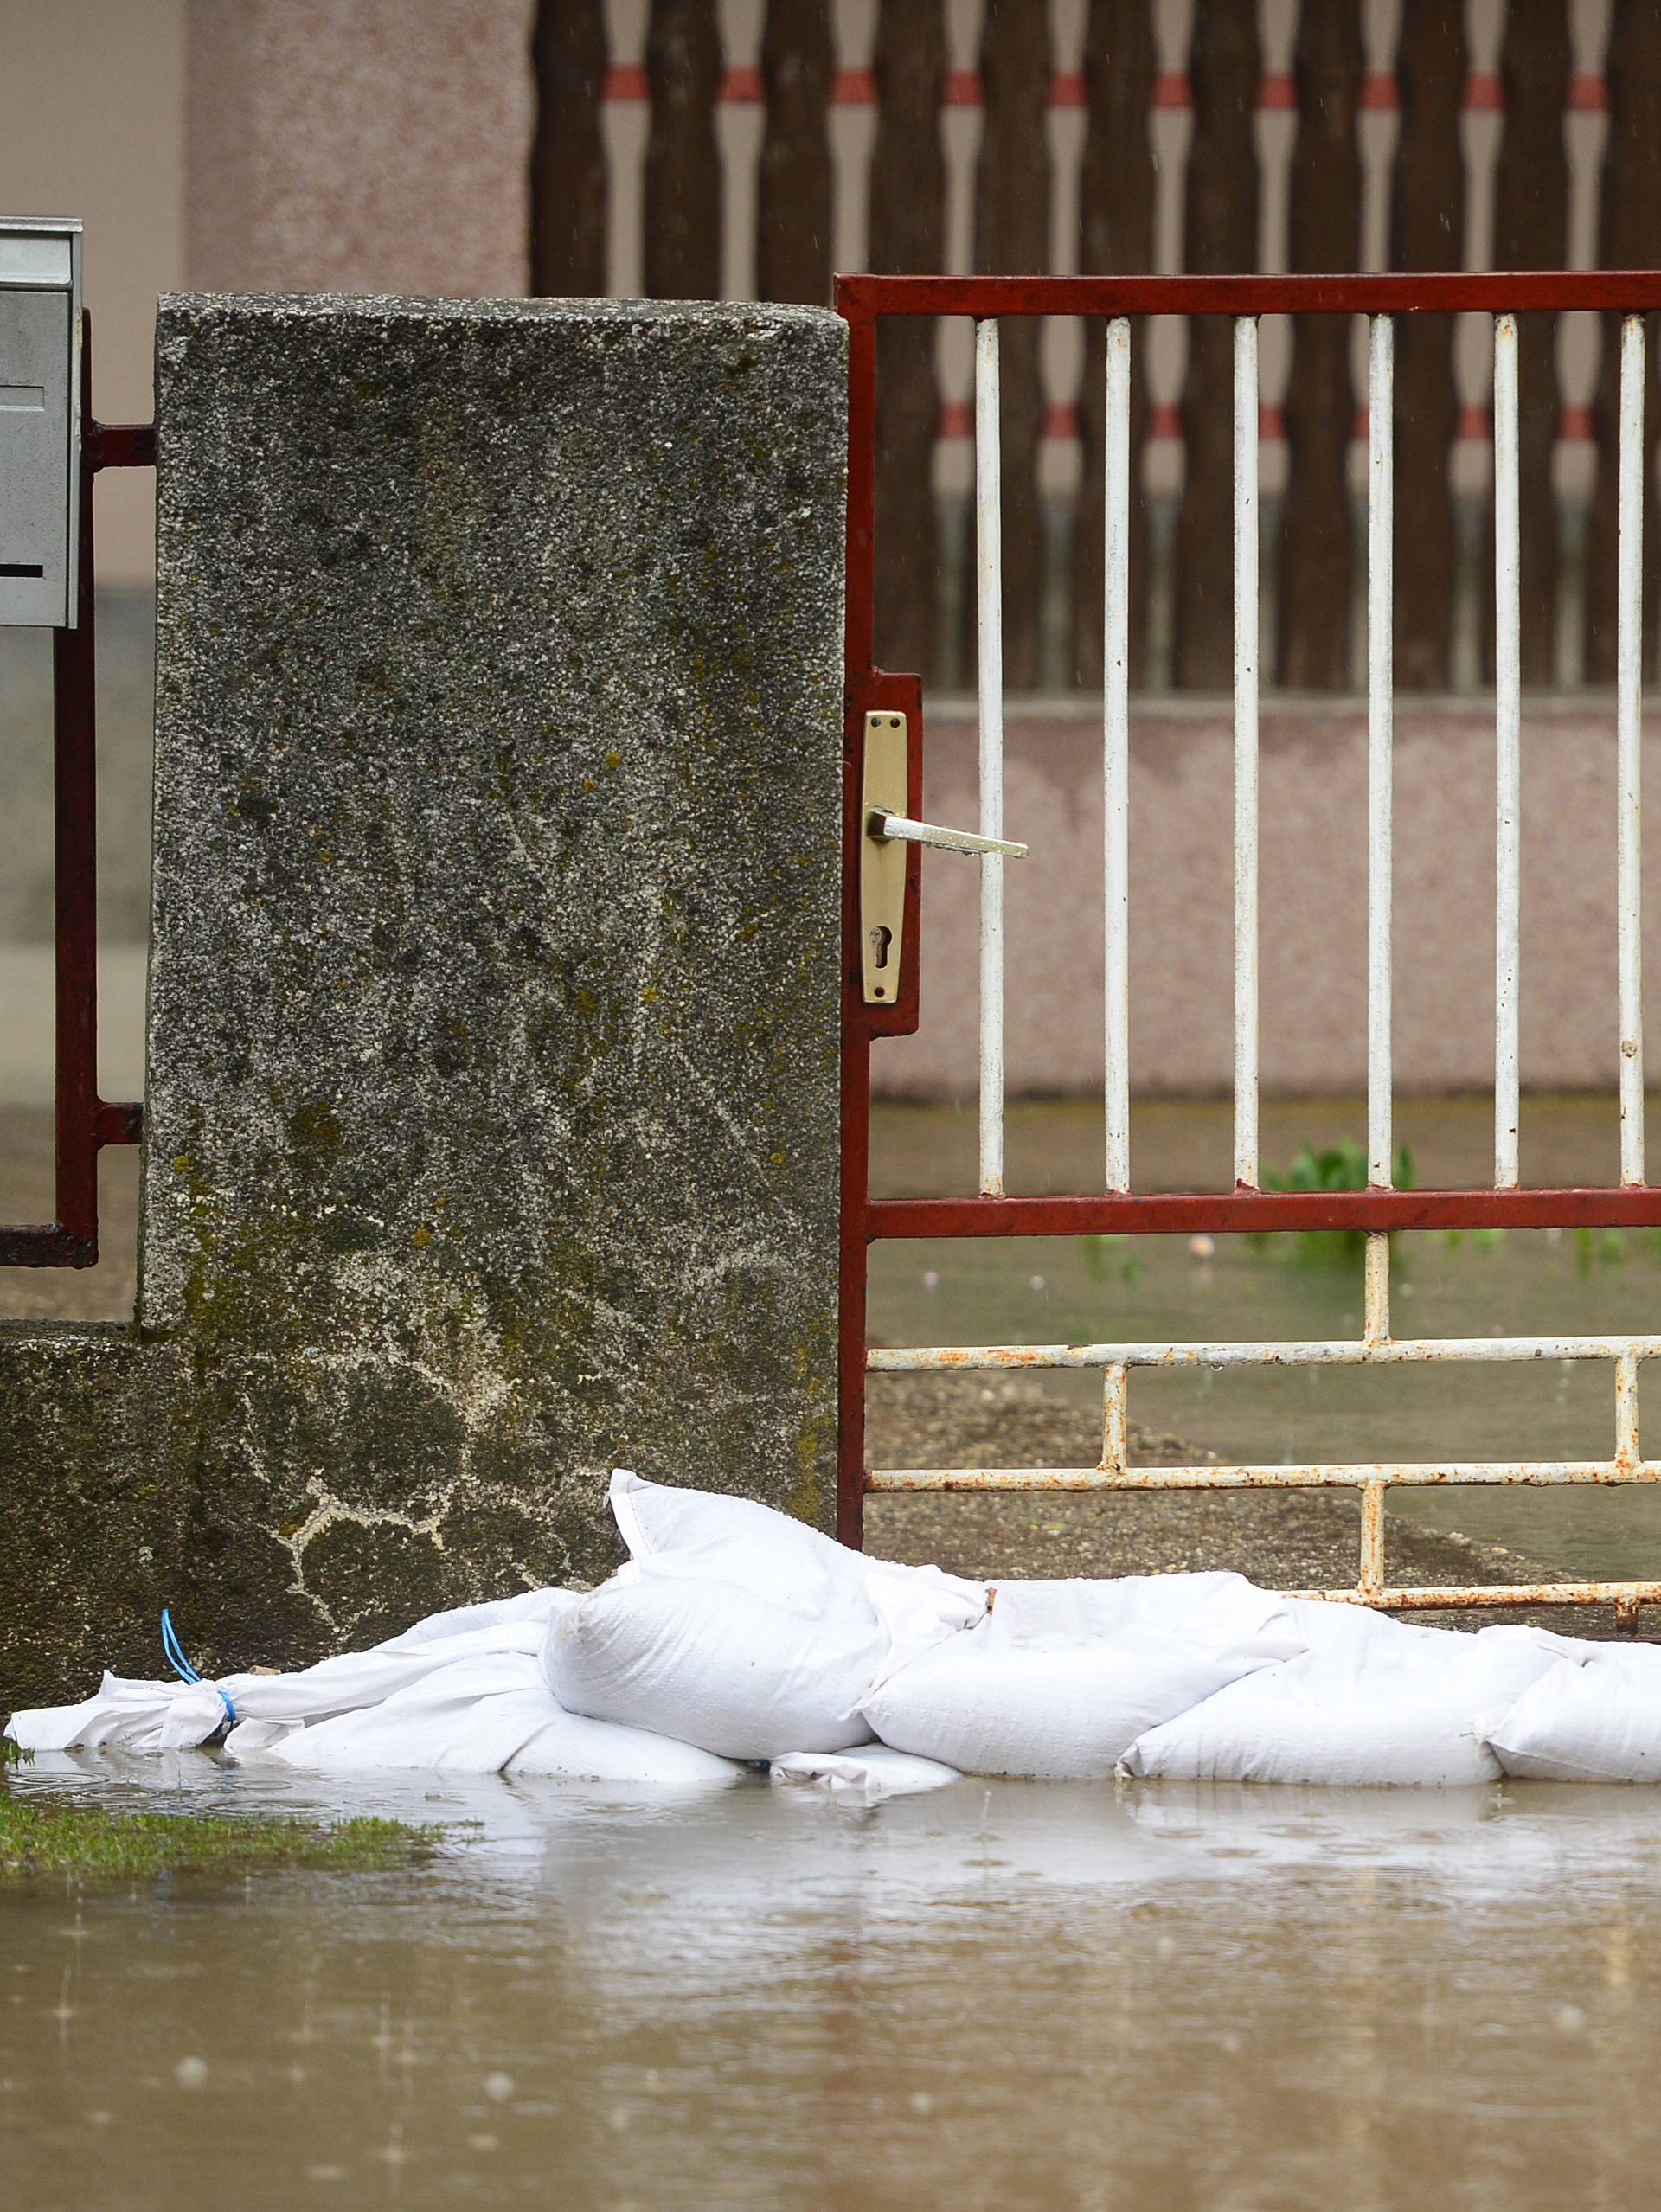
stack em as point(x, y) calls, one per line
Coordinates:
point(882, 938)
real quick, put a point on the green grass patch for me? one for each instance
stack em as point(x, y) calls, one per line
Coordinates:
point(41, 1838)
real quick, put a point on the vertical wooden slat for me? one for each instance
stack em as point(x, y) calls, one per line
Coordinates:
point(1317, 538)
point(568, 160)
point(1220, 234)
point(683, 182)
point(1427, 232)
point(1116, 208)
point(1531, 232)
point(1012, 235)
point(1629, 237)
point(908, 234)
point(793, 219)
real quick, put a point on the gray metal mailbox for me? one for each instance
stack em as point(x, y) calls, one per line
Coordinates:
point(40, 420)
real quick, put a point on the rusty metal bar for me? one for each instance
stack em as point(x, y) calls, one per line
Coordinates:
point(1376, 1324)
point(1371, 1578)
point(1343, 1351)
point(1247, 623)
point(1115, 1417)
point(1460, 1595)
point(1627, 1445)
point(1407, 1474)
point(1629, 685)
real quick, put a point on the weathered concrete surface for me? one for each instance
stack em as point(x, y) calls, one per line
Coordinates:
point(95, 1505)
point(493, 1076)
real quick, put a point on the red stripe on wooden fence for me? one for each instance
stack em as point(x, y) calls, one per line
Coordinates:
point(742, 87)
point(1277, 90)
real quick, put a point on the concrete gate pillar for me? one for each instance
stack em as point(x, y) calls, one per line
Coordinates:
point(492, 1036)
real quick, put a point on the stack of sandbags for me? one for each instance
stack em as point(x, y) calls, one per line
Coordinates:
point(734, 1635)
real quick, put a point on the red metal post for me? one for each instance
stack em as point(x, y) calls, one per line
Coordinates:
point(85, 1123)
point(74, 741)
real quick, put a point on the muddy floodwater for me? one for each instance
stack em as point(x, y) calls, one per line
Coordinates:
point(1008, 1995)
point(1001, 1994)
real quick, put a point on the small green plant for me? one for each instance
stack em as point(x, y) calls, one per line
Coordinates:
point(1592, 1246)
point(1339, 1167)
point(1100, 1251)
point(12, 1754)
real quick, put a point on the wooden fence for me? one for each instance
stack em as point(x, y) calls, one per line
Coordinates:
point(1027, 135)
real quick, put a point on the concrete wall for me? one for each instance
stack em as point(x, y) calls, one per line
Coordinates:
point(492, 1112)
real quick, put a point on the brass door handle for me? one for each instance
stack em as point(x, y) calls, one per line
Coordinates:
point(888, 830)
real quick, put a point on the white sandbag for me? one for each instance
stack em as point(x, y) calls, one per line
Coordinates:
point(714, 1665)
point(1018, 1695)
point(147, 1716)
point(512, 1623)
point(488, 1715)
point(1216, 1610)
point(862, 1777)
point(705, 1536)
point(1593, 1717)
point(570, 1748)
point(471, 1717)
point(1370, 1701)
point(123, 1715)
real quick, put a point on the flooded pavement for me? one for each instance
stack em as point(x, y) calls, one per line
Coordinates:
point(1008, 1994)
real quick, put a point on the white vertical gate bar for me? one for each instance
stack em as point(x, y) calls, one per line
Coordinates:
point(1628, 748)
point(1508, 625)
point(1116, 757)
point(1115, 1417)
point(989, 613)
point(1376, 1324)
point(1245, 644)
point(1627, 1454)
point(1380, 712)
point(1372, 1578)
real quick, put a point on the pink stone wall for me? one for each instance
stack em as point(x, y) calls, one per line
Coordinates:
point(1313, 903)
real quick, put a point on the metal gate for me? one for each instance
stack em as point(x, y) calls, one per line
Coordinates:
point(882, 885)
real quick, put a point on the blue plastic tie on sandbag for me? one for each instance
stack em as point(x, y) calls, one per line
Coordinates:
point(173, 1652)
